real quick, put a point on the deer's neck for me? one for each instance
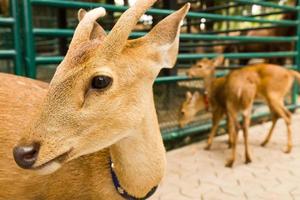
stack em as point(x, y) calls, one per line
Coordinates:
point(139, 160)
point(208, 84)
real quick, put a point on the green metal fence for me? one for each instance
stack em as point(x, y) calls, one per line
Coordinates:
point(165, 84)
point(14, 23)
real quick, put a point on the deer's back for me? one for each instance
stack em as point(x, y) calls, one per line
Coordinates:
point(19, 100)
point(260, 81)
point(270, 79)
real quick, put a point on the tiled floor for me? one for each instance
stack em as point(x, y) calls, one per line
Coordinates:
point(194, 173)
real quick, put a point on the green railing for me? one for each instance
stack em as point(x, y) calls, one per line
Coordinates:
point(14, 23)
point(32, 60)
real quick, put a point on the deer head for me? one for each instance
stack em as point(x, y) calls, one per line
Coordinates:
point(190, 107)
point(101, 93)
point(205, 68)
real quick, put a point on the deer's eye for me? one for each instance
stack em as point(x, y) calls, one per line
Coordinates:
point(101, 82)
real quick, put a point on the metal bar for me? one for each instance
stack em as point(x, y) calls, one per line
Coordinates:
point(7, 53)
point(6, 21)
point(189, 131)
point(58, 59)
point(267, 4)
point(52, 32)
point(239, 55)
point(43, 60)
point(268, 14)
point(237, 38)
point(297, 61)
point(72, 4)
point(170, 79)
point(29, 40)
point(48, 32)
point(19, 69)
point(221, 7)
point(243, 29)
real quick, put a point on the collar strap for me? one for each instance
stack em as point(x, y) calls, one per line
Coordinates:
point(206, 100)
point(122, 191)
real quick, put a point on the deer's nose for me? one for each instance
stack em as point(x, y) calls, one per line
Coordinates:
point(25, 156)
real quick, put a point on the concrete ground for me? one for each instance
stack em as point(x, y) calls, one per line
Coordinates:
point(194, 173)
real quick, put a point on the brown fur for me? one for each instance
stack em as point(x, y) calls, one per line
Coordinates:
point(238, 91)
point(118, 123)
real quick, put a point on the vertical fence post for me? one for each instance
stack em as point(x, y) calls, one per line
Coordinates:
point(29, 40)
point(297, 59)
point(19, 69)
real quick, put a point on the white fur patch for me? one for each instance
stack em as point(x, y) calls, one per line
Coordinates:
point(21, 83)
point(239, 92)
point(49, 168)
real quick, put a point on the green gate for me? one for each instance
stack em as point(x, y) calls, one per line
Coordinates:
point(15, 54)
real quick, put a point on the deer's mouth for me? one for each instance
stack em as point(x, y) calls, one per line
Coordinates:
point(53, 164)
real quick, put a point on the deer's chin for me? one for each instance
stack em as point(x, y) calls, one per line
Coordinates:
point(52, 165)
point(49, 168)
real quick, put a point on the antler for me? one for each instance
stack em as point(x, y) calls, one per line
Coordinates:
point(85, 26)
point(117, 38)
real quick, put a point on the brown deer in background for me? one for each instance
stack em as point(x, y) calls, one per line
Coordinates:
point(93, 132)
point(194, 102)
point(237, 92)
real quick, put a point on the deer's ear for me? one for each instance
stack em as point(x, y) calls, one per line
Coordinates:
point(195, 96)
point(218, 61)
point(188, 95)
point(81, 13)
point(163, 40)
point(97, 32)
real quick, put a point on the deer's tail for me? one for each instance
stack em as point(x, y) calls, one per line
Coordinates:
point(296, 75)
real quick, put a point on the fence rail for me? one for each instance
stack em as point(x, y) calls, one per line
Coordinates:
point(49, 32)
point(14, 24)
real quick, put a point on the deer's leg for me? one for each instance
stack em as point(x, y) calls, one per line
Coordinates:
point(232, 131)
point(274, 121)
point(246, 124)
point(289, 131)
point(230, 139)
point(217, 116)
point(281, 111)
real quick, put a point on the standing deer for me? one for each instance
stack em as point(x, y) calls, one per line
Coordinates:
point(237, 91)
point(93, 132)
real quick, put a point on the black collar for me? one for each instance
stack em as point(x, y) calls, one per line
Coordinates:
point(122, 191)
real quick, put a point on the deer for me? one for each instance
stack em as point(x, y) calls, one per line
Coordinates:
point(236, 93)
point(193, 103)
point(93, 132)
point(212, 99)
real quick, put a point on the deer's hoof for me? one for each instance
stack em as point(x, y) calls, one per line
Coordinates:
point(264, 143)
point(207, 148)
point(229, 163)
point(248, 160)
point(288, 150)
